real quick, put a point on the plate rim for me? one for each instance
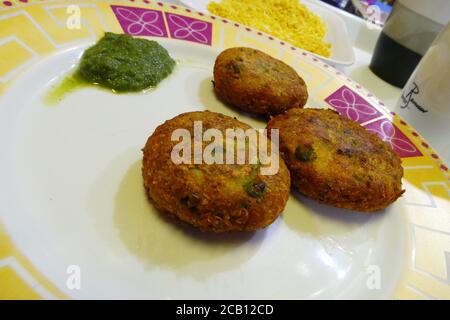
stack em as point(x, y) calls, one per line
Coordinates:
point(296, 51)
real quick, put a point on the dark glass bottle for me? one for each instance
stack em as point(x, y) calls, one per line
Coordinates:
point(393, 62)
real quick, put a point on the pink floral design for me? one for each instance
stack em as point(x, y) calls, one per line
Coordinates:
point(138, 21)
point(187, 28)
point(351, 105)
point(400, 143)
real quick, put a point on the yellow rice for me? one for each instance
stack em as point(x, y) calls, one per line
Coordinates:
point(288, 20)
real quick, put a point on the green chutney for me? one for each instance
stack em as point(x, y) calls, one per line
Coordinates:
point(123, 63)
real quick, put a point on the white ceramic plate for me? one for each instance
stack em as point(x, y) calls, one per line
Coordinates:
point(337, 35)
point(72, 201)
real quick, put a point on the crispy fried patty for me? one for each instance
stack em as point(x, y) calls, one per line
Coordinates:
point(211, 197)
point(254, 82)
point(336, 161)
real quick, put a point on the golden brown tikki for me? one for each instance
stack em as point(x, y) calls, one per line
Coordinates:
point(336, 161)
point(253, 81)
point(211, 197)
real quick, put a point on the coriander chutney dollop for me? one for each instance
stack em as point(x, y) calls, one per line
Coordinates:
point(123, 63)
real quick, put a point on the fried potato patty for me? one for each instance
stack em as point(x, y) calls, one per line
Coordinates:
point(336, 161)
point(211, 197)
point(254, 82)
